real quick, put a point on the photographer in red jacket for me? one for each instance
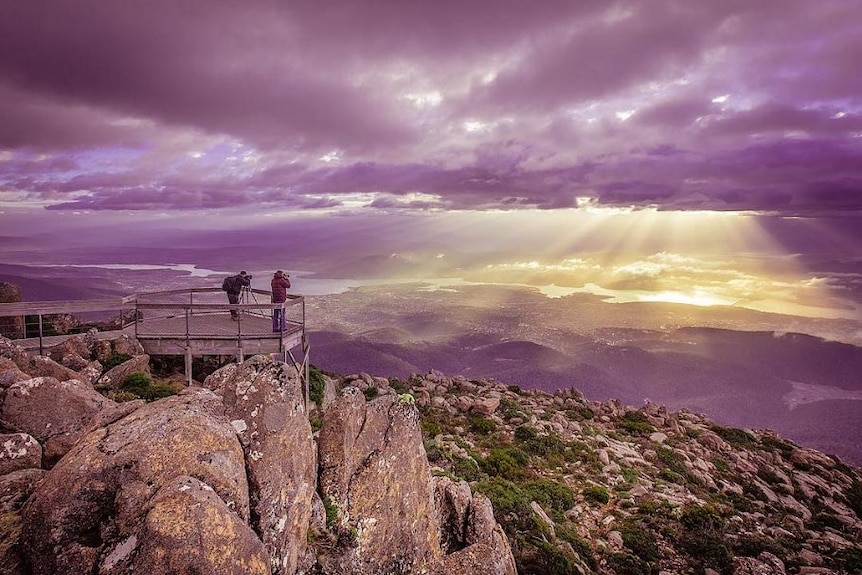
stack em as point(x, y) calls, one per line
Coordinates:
point(279, 285)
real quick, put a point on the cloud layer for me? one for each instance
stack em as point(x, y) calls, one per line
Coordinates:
point(446, 105)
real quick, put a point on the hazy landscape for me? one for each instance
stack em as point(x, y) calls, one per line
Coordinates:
point(799, 376)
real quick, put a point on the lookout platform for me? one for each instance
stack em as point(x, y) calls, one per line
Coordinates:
point(187, 322)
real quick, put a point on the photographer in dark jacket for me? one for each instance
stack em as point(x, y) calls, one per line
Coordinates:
point(279, 285)
point(233, 285)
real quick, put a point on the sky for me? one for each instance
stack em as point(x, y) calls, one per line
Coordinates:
point(649, 137)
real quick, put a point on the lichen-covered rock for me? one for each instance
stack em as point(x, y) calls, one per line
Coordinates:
point(90, 372)
point(55, 413)
point(469, 534)
point(98, 495)
point(264, 401)
point(127, 345)
point(16, 487)
point(374, 470)
point(19, 451)
point(478, 559)
point(188, 529)
point(72, 352)
point(10, 373)
point(765, 564)
point(117, 375)
point(10, 350)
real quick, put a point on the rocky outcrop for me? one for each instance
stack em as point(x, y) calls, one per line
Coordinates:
point(374, 473)
point(264, 402)
point(15, 488)
point(19, 451)
point(469, 535)
point(115, 376)
point(98, 502)
point(188, 528)
point(10, 373)
point(55, 413)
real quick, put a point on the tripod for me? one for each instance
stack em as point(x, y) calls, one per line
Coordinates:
point(246, 294)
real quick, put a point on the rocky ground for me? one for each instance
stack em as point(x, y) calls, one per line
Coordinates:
point(599, 487)
point(101, 473)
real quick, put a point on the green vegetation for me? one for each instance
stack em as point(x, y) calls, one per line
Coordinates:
point(481, 424)
point(114, 360)
point(399, 386)
point(596, 494)
point(702, 537)
point(640, 540)
point(737, 437)
point(628, 564)
point(569, 534)
point(316, 386)
point(505, 462)
point(370, 393)
point(636, 423)
point(854, 498)
point(551, 495)
point(331, 509)
point(140, 385)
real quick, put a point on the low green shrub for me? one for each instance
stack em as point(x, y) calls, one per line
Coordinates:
point(552, 495)
point(597, 494)
point(481, 425)
point(114, 360)
point(506, 462)
point(734, 436)
point(141, 385)
point(640, 540)
point(635, 422)
point(569, 534)
point(628, 564)
point(316, 385)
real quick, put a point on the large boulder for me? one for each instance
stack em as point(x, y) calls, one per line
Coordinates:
point(117, 375)
point(71, 352)
point(10, 373)
point(19, 451)
point(15, 488)
point(35, 366)
point(127, 345)
point(470, 536)
point(264, 401)
point(94, 505)
point(374, 472)
point(55, 413)
point(189, 529)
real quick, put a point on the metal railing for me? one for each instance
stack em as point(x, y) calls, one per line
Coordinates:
point(191, 313)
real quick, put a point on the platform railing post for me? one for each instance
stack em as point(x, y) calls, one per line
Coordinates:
point(41, 351)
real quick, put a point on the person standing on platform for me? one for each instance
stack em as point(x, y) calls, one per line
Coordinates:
point(233, 285)
point(280, 284)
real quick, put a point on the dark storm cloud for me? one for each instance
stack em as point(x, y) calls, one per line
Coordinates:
point(445, 105)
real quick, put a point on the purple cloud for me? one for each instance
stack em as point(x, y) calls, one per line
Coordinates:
point(413, 106)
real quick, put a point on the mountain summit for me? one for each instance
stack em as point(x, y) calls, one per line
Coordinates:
point(434, 474)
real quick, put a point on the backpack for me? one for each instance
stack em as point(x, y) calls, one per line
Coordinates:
point(230, 284)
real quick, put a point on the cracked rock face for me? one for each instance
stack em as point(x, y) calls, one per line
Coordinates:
point(103, 491)
point(264, 402)
point(55, 413)
point(373, 469)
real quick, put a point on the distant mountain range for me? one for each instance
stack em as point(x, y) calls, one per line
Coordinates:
point(807, 388)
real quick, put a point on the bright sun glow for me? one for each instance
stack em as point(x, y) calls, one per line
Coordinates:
point(692, 258)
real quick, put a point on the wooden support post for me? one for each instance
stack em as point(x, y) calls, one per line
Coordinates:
point(189, 365)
